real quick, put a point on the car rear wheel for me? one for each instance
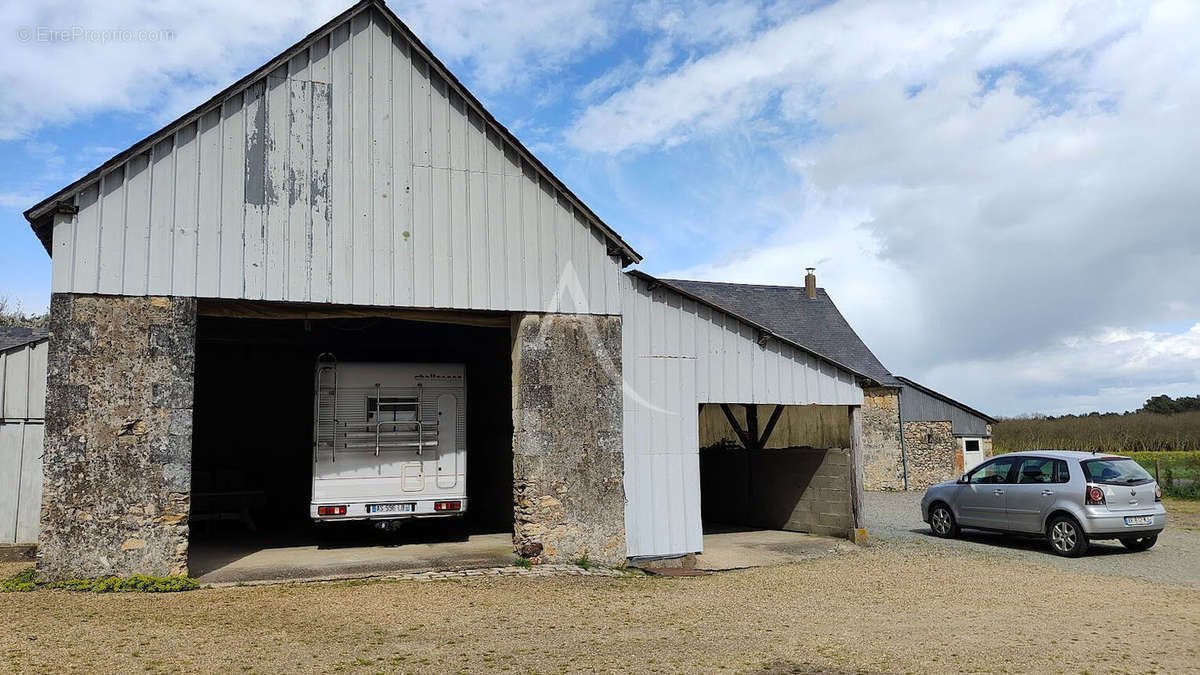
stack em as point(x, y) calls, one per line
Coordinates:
point(942, 522)
point(1067, 537)
point(1140, 543)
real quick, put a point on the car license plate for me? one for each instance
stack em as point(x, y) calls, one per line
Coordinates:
point(1139, 520)
point(397, 508)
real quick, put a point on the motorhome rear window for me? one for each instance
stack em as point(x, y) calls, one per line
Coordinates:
point(391, 408)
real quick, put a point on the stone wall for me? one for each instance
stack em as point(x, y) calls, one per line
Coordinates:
point(883, 463)
point(117, 458)
point(568, 461)
point(934, 454)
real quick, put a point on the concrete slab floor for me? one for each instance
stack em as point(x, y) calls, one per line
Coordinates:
point(737, 548)
point(218, 561)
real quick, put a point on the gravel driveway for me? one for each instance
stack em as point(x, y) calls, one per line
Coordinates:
point(896, 517)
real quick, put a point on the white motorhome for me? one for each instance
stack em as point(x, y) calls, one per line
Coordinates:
point(388, 441)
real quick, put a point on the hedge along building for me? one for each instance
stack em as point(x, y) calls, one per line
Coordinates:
point(352, 196)
point(912, 436)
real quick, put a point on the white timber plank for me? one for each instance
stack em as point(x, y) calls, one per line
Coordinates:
point(254, 214)
point(361, 183)
point(383, 195)
point(111, 258)
point(137, 225)
point(208, 223)
point(187, 176)
point(402, 167)
point(342, 151)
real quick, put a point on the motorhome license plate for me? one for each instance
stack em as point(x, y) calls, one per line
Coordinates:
point(1138, 520)
point(398, 508)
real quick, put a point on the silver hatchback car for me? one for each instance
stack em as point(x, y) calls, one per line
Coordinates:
point(1069, 497)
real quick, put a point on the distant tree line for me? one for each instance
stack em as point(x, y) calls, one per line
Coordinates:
point(11, 314)
point(1108, 432)
point(1165, 405)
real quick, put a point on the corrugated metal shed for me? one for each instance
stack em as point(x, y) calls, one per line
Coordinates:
point(679, 352)
point(353, 169)
point(22, 400)
point(922, 404)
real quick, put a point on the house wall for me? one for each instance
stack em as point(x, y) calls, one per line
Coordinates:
point(355, 174)
point(883, 459)
point(678, 353)
point(117, 460)
point(22, 404)
point(934, 453)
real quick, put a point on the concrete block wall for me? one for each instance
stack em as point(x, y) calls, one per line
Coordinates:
point(117, 459)
point(568, 460)
point(798, 489)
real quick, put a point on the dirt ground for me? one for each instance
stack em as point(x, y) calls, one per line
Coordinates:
point(1184, 513)
point(882, 609)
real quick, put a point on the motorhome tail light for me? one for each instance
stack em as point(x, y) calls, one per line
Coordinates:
point(1158, 493)
point(331, 510)
point(447, 506)
point(1095, 496)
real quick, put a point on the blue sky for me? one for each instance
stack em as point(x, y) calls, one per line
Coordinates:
point(999, 195)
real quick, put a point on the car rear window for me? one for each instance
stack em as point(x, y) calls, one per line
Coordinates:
point(1115, 471)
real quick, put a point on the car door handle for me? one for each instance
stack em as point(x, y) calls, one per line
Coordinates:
point(1047, 493)
point(997, 491)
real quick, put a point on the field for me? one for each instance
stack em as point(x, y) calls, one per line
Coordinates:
point(1138, 432)
point(882, 609)
point(1166, 445)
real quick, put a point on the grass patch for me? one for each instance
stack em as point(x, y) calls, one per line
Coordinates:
point(523, 562)
point(25, 581)
point(1182, 513)
point(20, 582)
point(582, 562)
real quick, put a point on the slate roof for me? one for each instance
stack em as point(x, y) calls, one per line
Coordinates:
point(787, 311)
point(15, 336)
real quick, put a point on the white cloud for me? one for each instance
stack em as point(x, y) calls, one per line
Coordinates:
point(1122, 366)
point(985, 179)
point(510, 42)
point(200, 48)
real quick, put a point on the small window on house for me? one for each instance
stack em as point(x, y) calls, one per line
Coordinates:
point(391, 409)
point(972, 446)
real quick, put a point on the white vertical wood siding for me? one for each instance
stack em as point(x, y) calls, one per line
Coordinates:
point(676, 354)
point(23, 401)
point(353, 174)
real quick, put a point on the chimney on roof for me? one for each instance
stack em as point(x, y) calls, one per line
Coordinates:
point(810, 282)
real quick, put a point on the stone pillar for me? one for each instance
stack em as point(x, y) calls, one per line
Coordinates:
point(117, 462)
point(568, 459)
point(934, 454)
point(883, 465)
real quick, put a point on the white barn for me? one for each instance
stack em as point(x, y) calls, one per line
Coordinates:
point(352, 196)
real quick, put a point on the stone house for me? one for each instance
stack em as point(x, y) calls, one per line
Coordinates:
point(912, 436)
point(351, 196)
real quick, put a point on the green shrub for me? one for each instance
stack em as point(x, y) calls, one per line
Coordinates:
point(583, 563)
point(523, 562)
point(138, 583)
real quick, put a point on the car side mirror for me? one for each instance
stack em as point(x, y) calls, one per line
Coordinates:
point(962, 478)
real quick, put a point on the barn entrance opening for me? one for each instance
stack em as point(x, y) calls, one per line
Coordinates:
point(266, 384)
point(774, 467)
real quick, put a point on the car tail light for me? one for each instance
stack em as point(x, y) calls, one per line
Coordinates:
point(1094, 497)
point(447, 506)
point(1158, 493)
point(331, 510)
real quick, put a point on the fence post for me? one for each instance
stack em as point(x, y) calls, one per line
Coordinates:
point(1156, 472)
